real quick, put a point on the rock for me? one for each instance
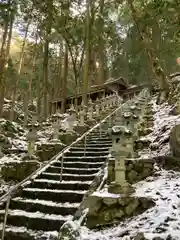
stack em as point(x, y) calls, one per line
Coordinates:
point(7, 112)
point(101, 214)
point(5, 142)
point(173, 111)
point(158, 238)
point(146, 202)
point(147, 172)
point(32, 108)
point(116, 188)
point(46, 151)
point(109, 201)
point(132, 176)
point(142, 143)
point(132, 206)
point(67, 137)
point(81, 129)
point(124, 200)
point(7, 126)
point(119, 213)
point(17, 171)
point(129, 167)
point(91, 123)
point(140, 236)
point(174, 140)
point(169, 237)
point(94, 204)
point(69, 231)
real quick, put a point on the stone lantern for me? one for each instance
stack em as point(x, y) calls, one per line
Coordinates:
point(103, 103)
point(90, 110)
point(56, 126)
point(114, 98)
point(128, 120)
point(71, 118)
point(111, 101)
point(97, 107)
point(31, 138)
point(82, 114)
point(135, 109)
point(120, 151)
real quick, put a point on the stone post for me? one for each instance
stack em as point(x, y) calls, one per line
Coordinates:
point(120, 152)
point(115, 99)
point(82, 114)
point(56, 126)
point(90, 110)
point(31, 138)
point(97, 108)
point(103, 103)
point(71, 118)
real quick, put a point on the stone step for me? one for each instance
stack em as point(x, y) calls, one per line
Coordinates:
point(96, 145)
point(54, 169)
point(81, 153)
point(84, 158)
point(23, 233)
point(35, 220)
point(54, 184)
point(89, 149)
point(99, 142)
point(67, 177)
point(97, 134)
point(98, 139)
point(49, 207)
point(79, 164)
point(57, 195)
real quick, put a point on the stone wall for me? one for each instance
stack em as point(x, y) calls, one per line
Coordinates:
point(136, 169)
point(106, 209)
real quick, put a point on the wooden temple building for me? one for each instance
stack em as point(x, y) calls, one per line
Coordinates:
point(111, 86)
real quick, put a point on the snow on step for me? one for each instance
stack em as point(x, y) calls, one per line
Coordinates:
point(41, 215)
point(88, 157)
point(80, 169)
point(30, 232)
point(47, 203)
point(66, 182)
point(88, 163)
point(53, 190)
point(69, 174)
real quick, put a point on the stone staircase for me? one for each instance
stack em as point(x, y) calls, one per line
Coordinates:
point(44, 204)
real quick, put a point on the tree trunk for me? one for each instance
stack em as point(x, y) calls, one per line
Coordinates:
point(87, 53)
point(19, 70)
point(101, 73)
point(64, 81)
point(33, 69)
point(25, 101)
point(155, 64)
point(3, 60)
point(46, 58)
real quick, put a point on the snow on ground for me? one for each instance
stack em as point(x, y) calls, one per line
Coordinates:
point(159, 221)
point(163, 220)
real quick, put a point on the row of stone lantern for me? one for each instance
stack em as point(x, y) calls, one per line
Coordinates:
point(90, 112)
point(123, 137)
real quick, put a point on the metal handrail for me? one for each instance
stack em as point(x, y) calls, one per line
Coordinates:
point(54, 159)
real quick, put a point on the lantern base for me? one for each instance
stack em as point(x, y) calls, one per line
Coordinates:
point(117, 188)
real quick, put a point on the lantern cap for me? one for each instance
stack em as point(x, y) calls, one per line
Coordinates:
point(118, 129)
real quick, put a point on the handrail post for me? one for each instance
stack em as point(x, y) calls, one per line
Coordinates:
point(100, 130)
point(62, 162)
point(5, 216)
point(85, 143)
